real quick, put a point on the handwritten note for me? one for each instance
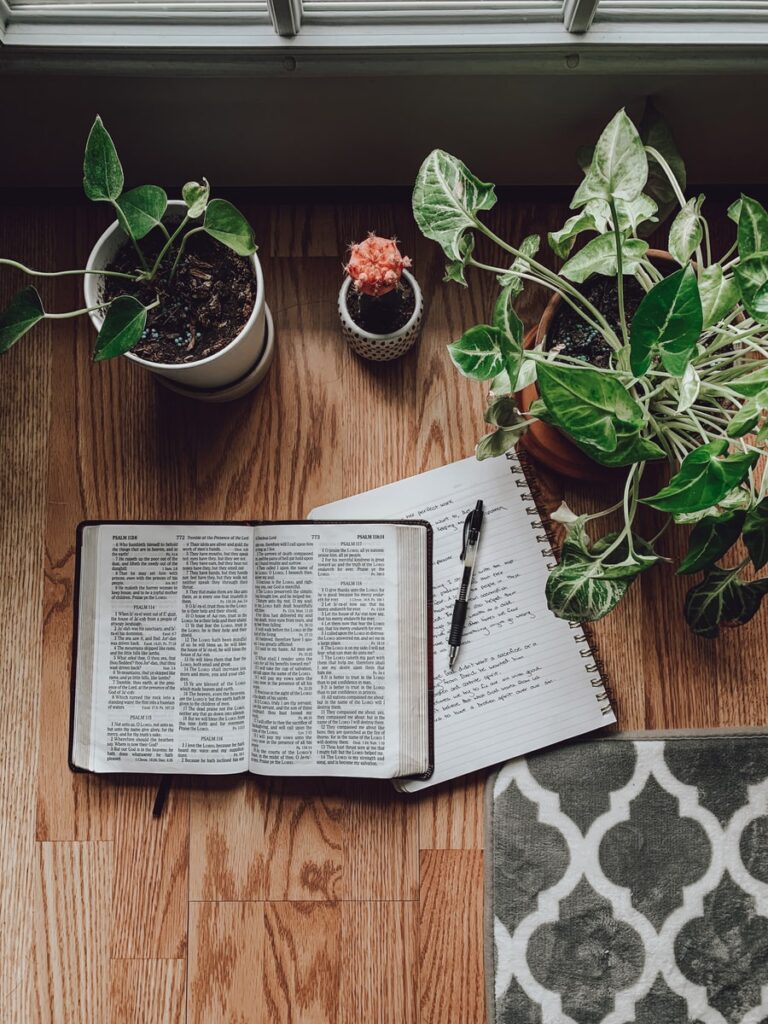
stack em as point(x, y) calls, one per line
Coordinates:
point(521, 681)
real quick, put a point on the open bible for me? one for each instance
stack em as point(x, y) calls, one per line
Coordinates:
point(282, 648)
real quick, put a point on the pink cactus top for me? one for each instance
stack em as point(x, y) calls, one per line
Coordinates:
point(375, 265)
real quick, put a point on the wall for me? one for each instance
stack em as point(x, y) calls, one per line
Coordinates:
point(290, 130)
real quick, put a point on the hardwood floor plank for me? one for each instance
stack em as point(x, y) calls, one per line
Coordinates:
point(276, 839)
point(381, 964)
point(226, 951)
point(302, 963)
point(381, 843)
point(223, 864)
point(25, 395)
point(451, 937)
point(451, 816)
point(72, 917)
point(150, 883)
point(141, 991)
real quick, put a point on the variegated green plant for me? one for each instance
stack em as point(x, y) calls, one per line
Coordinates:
point(139, 211)
point(687, 379)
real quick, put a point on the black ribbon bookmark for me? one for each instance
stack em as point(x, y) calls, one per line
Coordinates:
point(161, 796)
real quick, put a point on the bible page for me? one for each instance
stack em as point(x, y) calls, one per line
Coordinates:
point(171, 657)
point(520, 681)
point(325, 695)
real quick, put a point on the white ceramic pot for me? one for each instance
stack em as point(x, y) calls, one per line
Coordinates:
point(224, 367)
point(382, 347)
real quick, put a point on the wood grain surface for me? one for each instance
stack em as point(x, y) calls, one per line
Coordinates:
point(257, 901)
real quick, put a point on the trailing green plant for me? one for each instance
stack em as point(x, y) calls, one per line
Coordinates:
point(686, 380)
point(139, 212)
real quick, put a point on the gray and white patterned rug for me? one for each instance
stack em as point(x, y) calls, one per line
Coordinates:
point(627, 881)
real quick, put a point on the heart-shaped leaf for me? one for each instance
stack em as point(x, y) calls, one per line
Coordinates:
point(734, 211)
point(599, 257)
point(446, 198)
point(561, 242)
point(706, 475)
point(686, 232)
point(102, 173)
point(630, 448)
point(718, 293)
point(669, 318)
point(753, 228)
point(511, 326)
point(21, 314)
point(477, 354)
point(619, 167)
point(491, 446)
point(520, 265)
point(655, 133)
point(578, 591)
point(502, 412)
point(752, 279)
point(754, 380)
point(690, 385)
point(227, 225)
point(722, 599)
point(631, 213)
point(122, 328)
point(141, 210)
point(745, 419)
point(710, 539)
point(588, 405)
point(195, 194)
point(455, 270)
point(756, 534)
point(739, 499)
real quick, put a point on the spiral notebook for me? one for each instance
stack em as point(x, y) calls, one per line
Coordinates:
point(524, 679)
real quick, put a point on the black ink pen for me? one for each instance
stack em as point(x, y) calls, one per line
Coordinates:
point(470, 541)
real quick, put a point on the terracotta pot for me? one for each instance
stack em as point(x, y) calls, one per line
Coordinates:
point(547, 444)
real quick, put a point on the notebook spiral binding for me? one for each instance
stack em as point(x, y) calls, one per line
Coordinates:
point(521, 469)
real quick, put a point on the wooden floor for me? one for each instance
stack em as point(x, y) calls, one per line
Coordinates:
point(252, 902)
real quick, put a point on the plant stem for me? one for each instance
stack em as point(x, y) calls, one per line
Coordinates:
point(75, 312)
point(669, 173)
point(537, 280)
point(139, 253)
point(558, 359)
point(620, 274)
point(63, 273)
point(550, 275)
point(166, 247)
point(184, 240)
point(707, 240)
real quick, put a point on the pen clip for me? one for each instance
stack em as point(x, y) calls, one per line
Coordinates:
point(471, 523)
point(465, 535)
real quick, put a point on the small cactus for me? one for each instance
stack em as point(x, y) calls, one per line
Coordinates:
point(375, 265)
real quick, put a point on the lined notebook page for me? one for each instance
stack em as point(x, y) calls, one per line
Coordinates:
point(524, 679)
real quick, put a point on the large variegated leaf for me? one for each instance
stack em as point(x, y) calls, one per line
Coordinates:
point(669, 320)
point(478, 353)
point(686, 232)
point(705, 476)
point(599, 257)
point(753, 227)
point(722, 599)
point(718, 293)
point(446, 199)
point(619, 167)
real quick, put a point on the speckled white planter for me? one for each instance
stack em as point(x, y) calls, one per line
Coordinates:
point(223, 368)
point(382, 347)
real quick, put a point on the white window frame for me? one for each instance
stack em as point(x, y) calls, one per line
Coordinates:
point(361, 37)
